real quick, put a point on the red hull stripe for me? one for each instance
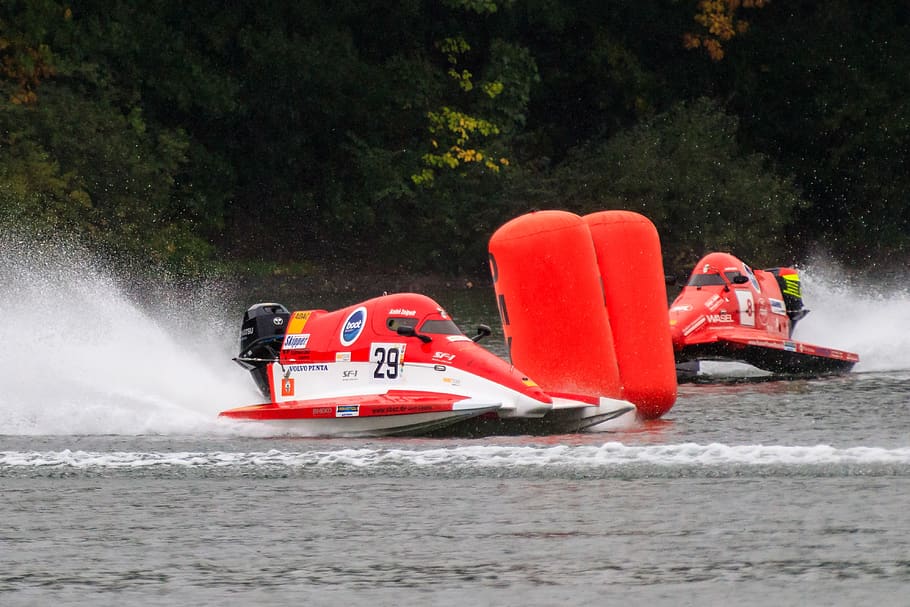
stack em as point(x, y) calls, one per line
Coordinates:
point(794, 346)
point(584, 398)
point(394, 402)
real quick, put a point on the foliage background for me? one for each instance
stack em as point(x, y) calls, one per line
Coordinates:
point(400, 134)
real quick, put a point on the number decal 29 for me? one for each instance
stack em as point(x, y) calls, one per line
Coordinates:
point(388, 359)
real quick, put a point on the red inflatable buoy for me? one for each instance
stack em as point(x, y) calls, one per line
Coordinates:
point(631, 266)
point(551, 302)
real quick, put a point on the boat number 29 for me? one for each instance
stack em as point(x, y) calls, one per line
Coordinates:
point(388, 359)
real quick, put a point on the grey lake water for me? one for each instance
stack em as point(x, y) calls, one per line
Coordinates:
point(119, 486)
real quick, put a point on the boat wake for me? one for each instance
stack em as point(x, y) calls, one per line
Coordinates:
point(612, 459)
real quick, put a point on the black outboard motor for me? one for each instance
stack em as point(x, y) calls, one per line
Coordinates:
point(261, 336)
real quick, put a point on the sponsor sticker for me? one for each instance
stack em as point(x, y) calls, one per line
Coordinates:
point(778, 307)
point(347, 411)
point(401, 409)
point(765, 344)
point(762, 311)
point(458, 338)
point(353, 326)
point(713, 302)
point(287, 386)
point(295, 342)
point(308, 368)
point(682, 308)
point(719, 318)
point(402, 312)
point(701, 320)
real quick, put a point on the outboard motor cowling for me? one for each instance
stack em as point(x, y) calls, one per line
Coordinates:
point(261, 335)
point(262, 321)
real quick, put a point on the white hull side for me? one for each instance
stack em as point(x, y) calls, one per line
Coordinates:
point(386, 425)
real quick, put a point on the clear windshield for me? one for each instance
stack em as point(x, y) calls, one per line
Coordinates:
point(704, 280)
point(440, 327)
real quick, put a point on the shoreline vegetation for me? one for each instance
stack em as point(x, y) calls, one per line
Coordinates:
point(339, 283)
point(201, 135)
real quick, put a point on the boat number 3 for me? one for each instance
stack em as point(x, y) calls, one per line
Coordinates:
point(387, 358)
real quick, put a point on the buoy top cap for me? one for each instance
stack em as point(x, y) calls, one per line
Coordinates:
point(536, 223)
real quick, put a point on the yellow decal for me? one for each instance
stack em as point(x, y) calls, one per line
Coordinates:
point(791, 285)
point(298, 321)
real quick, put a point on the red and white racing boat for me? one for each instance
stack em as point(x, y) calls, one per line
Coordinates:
point(727, 311)
point(395, 364)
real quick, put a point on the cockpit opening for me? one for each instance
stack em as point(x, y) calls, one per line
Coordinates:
point(393, 323)
point(715, 279)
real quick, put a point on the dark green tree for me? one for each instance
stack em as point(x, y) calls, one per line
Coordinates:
point(684, 170)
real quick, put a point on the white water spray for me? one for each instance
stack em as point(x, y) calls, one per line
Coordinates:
point(81, 355)
point(855, 315)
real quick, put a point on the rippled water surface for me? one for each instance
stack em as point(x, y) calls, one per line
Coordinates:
point(120, 486)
